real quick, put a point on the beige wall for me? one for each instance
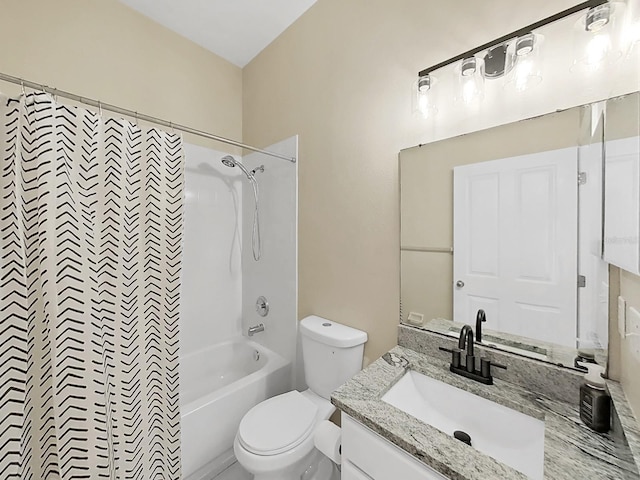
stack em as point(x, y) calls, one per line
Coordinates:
point(629, 364)
point(341, 78)
point(102, 49)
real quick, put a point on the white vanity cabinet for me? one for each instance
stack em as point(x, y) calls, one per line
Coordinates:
point(368, 456)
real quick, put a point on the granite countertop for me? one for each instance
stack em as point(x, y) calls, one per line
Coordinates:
point(572, 450)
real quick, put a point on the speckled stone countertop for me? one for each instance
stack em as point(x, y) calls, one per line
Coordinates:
point(572, 450)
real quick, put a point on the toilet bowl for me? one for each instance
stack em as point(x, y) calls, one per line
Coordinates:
point(275, 438)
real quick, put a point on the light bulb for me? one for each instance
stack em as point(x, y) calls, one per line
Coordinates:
point(521, 75)
point(423, 104)
point(597, 50)
point(597, 37)
point(469, 92)
point(526, 72)
point(470, 80)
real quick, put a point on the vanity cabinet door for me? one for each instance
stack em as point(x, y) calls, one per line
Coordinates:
point(368, 456)
point(351, 472)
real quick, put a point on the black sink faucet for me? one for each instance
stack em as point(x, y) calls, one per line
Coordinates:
point(465, 342)
point(480, 317)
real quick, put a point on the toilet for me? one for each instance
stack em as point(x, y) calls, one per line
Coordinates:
point(275, 438)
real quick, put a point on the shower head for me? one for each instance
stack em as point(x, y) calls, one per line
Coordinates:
point(229, 161)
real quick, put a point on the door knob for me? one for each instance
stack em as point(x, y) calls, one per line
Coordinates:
point(459, 284)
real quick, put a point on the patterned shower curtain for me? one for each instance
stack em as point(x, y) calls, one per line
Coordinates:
point(91, 227)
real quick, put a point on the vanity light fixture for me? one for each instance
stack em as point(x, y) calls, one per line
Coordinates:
point(594, 38)
point(470, 81)
point(515, 54)
point(527, 63)
point(425, 105)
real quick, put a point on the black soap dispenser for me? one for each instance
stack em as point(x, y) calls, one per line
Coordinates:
point(595, 402)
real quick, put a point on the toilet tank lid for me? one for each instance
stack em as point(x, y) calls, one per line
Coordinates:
point(331, 333)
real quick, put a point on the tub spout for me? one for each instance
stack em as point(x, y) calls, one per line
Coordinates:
point(255, 329)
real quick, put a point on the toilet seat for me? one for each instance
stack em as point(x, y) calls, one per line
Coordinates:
point(278, 424)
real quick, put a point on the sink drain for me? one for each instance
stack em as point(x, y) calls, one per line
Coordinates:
point(462, 436)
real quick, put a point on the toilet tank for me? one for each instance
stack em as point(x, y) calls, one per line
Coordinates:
point(332, 353)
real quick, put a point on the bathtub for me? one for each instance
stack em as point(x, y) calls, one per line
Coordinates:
point(218, 385)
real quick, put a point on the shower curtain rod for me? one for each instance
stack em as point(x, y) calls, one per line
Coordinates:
point(138, 116)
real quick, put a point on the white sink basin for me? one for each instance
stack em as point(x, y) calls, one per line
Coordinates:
point(508, 436)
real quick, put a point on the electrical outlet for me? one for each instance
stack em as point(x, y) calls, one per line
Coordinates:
point(633, 322)
point(416, 319)
point(622, 316)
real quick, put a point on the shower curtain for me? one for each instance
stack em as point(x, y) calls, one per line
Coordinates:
point(91, 227)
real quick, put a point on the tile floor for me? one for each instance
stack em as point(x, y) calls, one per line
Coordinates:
point(234, 472)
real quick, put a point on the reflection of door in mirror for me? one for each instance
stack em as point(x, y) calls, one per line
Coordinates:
point(528, 226)
point(515, 244)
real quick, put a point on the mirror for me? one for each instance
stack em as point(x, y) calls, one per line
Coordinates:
point(508, 220)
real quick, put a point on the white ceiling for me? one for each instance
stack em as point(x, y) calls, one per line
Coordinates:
point(237, 30)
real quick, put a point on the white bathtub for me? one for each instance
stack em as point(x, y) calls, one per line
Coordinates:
point(218, 385)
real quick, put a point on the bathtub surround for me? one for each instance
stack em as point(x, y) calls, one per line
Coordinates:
point(91, 260)
point(275, 275)
point(212, 259)
point(221, 282)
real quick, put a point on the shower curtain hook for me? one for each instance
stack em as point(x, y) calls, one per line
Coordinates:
point(137, 119)
point(100, 107)
point(24, 92)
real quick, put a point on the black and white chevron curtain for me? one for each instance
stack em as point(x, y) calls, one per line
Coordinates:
point(91, 225)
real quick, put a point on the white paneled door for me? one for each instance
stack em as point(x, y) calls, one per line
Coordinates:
point(515, 244)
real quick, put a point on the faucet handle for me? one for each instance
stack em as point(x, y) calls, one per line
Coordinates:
point(485, 367)
point(455, 355)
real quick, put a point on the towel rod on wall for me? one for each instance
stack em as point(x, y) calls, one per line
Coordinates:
point(136, 115)
point(428, 249)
